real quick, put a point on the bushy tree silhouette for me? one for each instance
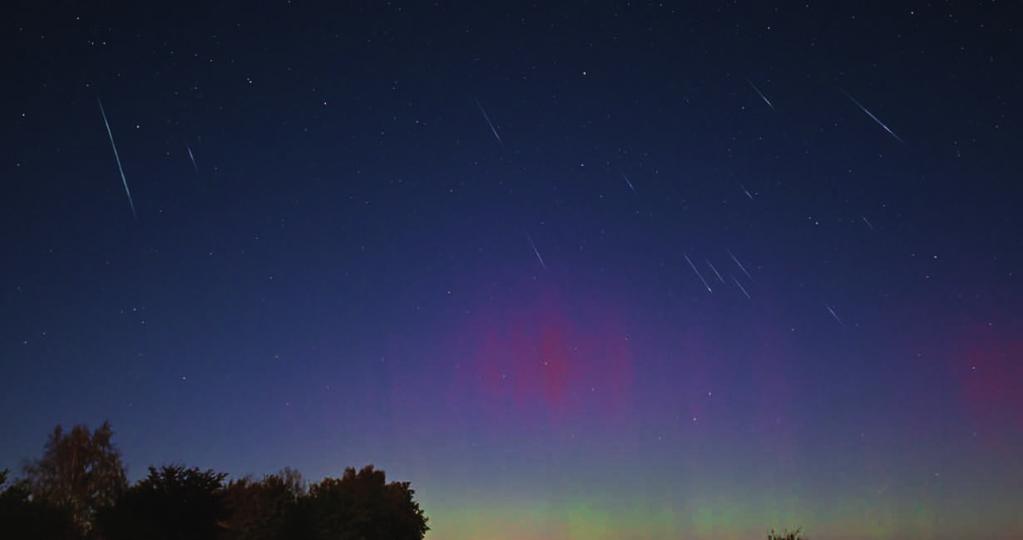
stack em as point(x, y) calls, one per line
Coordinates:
point(23, 517)
point(362, 505)
point(171, 503)
point(77, 491)
point(267, 509)
point(79, 471)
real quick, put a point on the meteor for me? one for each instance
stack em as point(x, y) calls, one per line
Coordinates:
point(536, 252)
point(761, 94)
point(715, 270)
point(833, 314)
point(872, 117)
point(192, 157)
point(741, 288)
point(739, 264)
point(697, 272)
point(628, 182)
point(489, 123)
point(131, 203)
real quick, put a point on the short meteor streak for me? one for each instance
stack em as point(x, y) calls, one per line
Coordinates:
point(715, 270)
point(741, 288)
point(697, 272)
point(628, 182)
point(192, 157)
point(489, 123)
point(761, 94)
point(835, 315)
point(872, 117)
point(124, 180)
point(867, 221)
point(746, 191)
point(536, 252)
point(739, 264)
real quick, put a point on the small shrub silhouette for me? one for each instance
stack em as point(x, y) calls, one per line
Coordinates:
point(786, 535)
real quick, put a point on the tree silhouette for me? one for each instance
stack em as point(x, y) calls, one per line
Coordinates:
point(171, 503)
point(363, 506)
point(267, 509)
point(25, 518)
point(77, 490)
point(79, 471)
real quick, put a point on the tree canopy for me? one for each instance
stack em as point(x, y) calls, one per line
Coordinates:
point(363, 505)
point(78, 490)
point(266, 509)
point(78, 471)
point(171, 503)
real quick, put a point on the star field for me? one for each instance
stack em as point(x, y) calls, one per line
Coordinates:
point(579, 271)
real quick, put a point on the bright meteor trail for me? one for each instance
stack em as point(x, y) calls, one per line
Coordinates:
point(872, 117)
point(117, 157)
point(761, 94)
point(697, 272)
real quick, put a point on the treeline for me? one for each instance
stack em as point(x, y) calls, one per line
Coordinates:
point(78, 490)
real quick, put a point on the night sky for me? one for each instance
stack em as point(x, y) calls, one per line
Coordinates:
point(577, 272)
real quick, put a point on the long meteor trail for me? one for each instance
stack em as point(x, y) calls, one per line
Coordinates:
point(739, 264)
point(697, 272)
point(872, 117)
point(489, 123)
point(117, 157)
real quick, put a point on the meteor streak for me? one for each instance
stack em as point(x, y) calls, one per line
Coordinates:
point(739, 264)
point(741, 288)
point(715, 270)
point(761, 94)
point(536, 252)
point(833, 314)
point(628, 182)
point(872, 117)
point(131, 202)
point(697, 272)
point(489, 123)
point(192, 157)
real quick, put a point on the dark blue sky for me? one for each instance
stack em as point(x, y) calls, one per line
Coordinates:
point(346, 272)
